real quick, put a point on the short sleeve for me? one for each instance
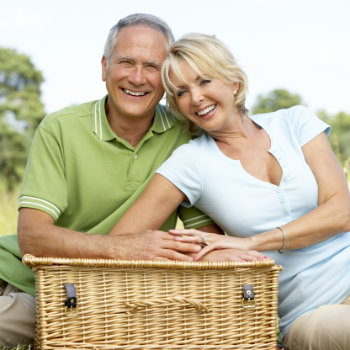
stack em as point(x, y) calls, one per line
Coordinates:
point(183, 170)
point(44, 184)
point(193, 217)
point(306, 124)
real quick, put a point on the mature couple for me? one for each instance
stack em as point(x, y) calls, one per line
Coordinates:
point(271, 182)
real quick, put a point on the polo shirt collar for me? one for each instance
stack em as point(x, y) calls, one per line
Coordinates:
point(163, 121)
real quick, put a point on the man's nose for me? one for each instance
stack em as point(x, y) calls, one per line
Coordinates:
point(137, 76)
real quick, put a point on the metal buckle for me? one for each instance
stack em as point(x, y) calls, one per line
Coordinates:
point(248, 300)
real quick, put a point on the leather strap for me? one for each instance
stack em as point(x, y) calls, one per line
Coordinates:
point(71, 301)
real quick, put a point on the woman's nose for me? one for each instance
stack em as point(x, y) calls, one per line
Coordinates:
point(196, 97)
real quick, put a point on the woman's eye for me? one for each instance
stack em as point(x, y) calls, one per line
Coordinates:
point(205, 81)
point(180, 93)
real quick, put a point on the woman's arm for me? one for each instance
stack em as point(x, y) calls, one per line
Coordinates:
point(151, 210)
point(332, 216)
point(154, 206)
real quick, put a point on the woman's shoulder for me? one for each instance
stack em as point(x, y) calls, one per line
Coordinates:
point(285, 113)
point(196, 144)
point(287, 117)
point(298, 120)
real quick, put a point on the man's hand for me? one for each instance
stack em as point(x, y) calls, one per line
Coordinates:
point(151, 245)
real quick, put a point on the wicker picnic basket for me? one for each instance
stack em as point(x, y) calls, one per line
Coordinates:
point(129, 305)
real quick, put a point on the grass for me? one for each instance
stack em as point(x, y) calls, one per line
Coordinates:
point(19, 347)
point(8, 211)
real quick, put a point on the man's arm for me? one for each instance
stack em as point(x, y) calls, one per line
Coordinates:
point(35, 226)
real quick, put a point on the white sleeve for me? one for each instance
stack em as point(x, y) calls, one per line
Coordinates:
point(184, 171)
point(306, 124)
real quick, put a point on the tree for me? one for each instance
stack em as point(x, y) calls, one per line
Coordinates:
point(20, 112)
point(275, 100)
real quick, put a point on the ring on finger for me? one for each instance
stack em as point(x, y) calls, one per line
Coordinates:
point(204, 240)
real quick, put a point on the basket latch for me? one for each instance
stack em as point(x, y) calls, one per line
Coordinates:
point(71, 301)
point(248, 301)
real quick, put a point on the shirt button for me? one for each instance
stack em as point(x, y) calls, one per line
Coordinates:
point(135, 156)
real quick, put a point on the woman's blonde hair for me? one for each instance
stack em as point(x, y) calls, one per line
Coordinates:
point(206, 55)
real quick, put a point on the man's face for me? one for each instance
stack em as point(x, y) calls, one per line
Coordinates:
point(132, 74)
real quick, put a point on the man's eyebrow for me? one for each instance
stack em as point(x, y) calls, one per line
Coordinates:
point(155, 63)
point(119, 58)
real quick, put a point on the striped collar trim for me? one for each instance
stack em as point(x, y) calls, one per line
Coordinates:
point(100, 125)
point(163, 120)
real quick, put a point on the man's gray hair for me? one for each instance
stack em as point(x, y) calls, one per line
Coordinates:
point(134, 20)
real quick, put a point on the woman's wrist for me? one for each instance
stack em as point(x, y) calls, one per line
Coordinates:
point(275, 239)
point(284, 240)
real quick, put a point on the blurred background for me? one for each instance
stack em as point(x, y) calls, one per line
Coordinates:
point(294, 52)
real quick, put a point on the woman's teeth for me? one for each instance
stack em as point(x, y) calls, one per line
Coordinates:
point(206, 110)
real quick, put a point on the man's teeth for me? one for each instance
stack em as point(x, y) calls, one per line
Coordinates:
point(135, 93)
point(205, 111)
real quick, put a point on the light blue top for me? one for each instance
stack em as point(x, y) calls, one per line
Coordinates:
point(244, 205)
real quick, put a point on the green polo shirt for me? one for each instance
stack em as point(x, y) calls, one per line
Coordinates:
point(83, 175)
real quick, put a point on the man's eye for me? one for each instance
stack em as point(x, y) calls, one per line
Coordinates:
point(125, 62)
point(152, 67)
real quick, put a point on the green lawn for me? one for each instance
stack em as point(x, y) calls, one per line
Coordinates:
point(8, 211)
point(19, 347)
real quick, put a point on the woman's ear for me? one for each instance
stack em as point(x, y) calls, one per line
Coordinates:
point(235, 87)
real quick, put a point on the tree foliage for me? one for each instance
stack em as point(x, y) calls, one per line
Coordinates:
point(20, 112)
point(275, 100)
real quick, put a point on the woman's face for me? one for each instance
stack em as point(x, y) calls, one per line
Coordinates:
point(207, 102)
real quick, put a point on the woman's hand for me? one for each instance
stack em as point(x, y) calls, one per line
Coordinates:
point(232, 254)
point(211, 241)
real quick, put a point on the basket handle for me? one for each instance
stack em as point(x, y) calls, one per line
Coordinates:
point(134, 306)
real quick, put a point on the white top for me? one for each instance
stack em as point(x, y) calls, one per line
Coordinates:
point(243, 205)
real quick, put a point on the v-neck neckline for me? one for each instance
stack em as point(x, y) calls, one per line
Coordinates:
point(273, 150)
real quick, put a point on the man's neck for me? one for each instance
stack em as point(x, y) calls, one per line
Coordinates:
point(131, 130)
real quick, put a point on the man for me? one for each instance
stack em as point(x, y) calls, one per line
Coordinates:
point(87, 165)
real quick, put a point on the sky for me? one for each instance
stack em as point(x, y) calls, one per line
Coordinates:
point(302, 46)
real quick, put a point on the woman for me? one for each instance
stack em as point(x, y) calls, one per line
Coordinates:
point(270, 181)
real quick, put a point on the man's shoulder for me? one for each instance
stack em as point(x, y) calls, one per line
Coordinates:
point(69, 113)
point(167, 117)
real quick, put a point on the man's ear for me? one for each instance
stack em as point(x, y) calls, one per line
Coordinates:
point(104, 68)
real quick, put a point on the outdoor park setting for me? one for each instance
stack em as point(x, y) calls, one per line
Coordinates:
point(291, 58)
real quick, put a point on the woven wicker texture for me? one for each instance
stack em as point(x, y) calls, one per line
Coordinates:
point(155, 305)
